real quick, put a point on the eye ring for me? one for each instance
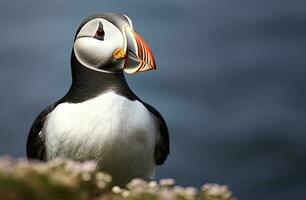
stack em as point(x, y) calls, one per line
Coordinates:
point(100, 32)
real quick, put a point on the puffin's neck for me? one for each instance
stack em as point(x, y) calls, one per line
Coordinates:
point(88, 83)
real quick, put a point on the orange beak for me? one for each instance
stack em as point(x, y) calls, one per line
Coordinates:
point(139, 56)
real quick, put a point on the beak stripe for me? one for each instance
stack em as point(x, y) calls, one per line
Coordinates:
point(141, 57)
point(144, 52)
point(148, 57)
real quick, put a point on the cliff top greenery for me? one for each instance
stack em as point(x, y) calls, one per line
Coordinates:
point(69, 180)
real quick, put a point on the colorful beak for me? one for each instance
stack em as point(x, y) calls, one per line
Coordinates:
point(139, 56)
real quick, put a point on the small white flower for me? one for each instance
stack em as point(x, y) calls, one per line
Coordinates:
point(86, 176)
point(152, 184)
point(167, 182)
point(116, 190)
point(125, 193)
point(101, 184)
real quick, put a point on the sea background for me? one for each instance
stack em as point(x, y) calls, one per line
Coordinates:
point(230, 83)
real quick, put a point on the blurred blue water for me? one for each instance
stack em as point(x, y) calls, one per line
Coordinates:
point(230, 83)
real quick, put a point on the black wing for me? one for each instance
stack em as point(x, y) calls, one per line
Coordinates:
point(162, 148)
point(35, 144)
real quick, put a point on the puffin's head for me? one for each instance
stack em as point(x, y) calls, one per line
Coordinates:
point(108, 43)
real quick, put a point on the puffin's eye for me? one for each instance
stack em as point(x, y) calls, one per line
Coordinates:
point(100, 32)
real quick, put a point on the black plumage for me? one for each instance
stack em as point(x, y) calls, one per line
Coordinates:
point(87, 84)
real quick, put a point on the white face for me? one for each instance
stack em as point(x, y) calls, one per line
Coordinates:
point(94, 49)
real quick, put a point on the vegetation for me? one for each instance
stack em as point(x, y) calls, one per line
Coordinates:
point(69, 180)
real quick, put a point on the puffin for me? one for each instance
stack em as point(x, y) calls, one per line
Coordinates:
point(100, 118)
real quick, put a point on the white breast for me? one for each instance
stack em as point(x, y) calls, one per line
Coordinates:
point(118, 133)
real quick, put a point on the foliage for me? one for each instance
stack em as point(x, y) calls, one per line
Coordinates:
point(70, 180)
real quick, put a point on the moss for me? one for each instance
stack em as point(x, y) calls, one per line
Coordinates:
point(69, 180)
